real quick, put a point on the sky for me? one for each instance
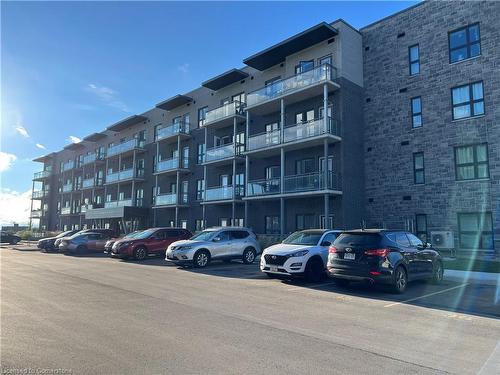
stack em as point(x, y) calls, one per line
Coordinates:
point(69, 69)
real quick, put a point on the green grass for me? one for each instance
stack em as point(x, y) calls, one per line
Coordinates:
point(476, 265)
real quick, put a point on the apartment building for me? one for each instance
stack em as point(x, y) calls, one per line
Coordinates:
point(391, 125)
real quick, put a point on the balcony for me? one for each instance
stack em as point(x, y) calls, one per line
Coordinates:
point(223, 193)
point(126, 174)
point(296, 88)
point(65, 210)
point(36, 214)
point(225, 114)
point(264, 187)
point(119, 203)
point(67, 188)
point(85, 207)
point(68, 166)
point(88, 183)
point(173, 130)
point(124, 147)
point(166, 199)
point(171, 164)
point(304, 184)
point(39, 194)
point(42, 175)
point(91, 158)
point(221, 153)
point(296, 136)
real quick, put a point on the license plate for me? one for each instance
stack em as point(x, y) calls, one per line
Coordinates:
point(350, 256)
point(273, 268)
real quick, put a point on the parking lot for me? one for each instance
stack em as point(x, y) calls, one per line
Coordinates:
point(94, 314)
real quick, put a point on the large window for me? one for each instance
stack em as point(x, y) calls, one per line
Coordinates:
point(272, 224)
point(200, 155)
point(200, 189)
point(471, 162)
point(475, 230)
point(305, 221)
point(468, 100)
point(464, 43)
point(421, 226)
point(304, 166)
point(416, 112)
point(418, 168)
point(202, 114)
point(414, 59)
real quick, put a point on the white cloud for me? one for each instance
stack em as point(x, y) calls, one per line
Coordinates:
point(14, 206)
point(74, 139)
point(6, 160)
point(40, 146)
point(184, 68)
point(22, 130)
point(108, 96)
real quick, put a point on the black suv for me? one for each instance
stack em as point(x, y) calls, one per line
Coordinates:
point(383, 256)
point(9, 238)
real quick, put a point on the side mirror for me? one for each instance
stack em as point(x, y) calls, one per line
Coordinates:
point(216, 239)
point(326, 243)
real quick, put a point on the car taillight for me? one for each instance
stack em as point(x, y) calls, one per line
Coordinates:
point(378, 252)
point(332, 249)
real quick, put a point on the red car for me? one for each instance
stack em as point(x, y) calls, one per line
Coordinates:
point(152, 241)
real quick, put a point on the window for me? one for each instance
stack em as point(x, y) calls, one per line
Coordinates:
point(238, 222)
point(305, 221)
point(475, 230)
point(467, 100)
point(239, 97)
point(239, 234)
point(304, 166)
point(402, 240)
point(416, 112)
point(304, 66)
point(224, 222)
point(414, 241)
point(329, 238)
point(414, 57)
point(304, 116)
point(418, 168)
point(325, 60)
point(471, 162)
point(184, 224)
point(199, 225)
point(272, 224)
point(200, 189)
point(200, 155)
point(421, 226)
point(202, 113)
point(185, 191)
point(464, 43)
point(139, 197)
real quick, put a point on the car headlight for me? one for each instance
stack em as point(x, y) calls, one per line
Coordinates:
point(123, 244)
point(300, 253)
point(184, 248)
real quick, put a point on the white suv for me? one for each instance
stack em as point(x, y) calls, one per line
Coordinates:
point(224, 243)
point(303, 253)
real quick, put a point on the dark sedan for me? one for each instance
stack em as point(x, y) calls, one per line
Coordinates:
point(47, 244)
point(383, 256)
point(9, 238)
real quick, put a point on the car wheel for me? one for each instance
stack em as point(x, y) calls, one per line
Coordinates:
point(341, 282)
point(314, 270)
point(400, 280)
point(140, 253)
point(249, 255)
point(437, 275)
point(201, 259)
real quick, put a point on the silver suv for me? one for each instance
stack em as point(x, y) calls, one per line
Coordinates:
point(213, 244)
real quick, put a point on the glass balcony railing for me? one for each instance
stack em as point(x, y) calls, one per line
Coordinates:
point(264, 140)
point(172, 130)
point(167, 165)
point(42, 174)
point(288, 85)
point(36, 213)
point(37, 194)
point(125, 146)
point(67, 188)
point(311, 182)
point(68, 166)
point(126, 174)
point(65, 210)
point(119, 203)
point(220, 152)
point(166, 199)
point(85, 207)
point(310, 129)
point(90, 158)
point(224, 111)
point(223, 193)
point(264, 187)
point(88, 183)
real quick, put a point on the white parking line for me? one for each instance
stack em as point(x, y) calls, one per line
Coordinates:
point(492, 364)
point(426, 295)
point(308, 286)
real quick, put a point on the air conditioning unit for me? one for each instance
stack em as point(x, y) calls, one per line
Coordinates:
point(442, 239)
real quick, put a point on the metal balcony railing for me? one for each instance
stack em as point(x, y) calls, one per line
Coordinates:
point(42, 174)
point(264, 140)
point(125, 146)
point(68, 166)
point(90, 158)
point(36, 213)
point(263, 187)
point(37, 194)
point(166, 199)
point(85, 207)
point(227, 110)
point(67, 188)
point(223, 193)
point(222, 152)
point(125, 174)
point(310, 129)
point(171, 130)
point(167, 165)
point(311, 182)
point(119, 203)
point(286, 86)
point(88, 183)
point(65, 210)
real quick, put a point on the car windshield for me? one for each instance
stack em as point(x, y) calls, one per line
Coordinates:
point(64, 234)
point(133, 234)
point(206, 235)
point(303, 238)
point(144, 234)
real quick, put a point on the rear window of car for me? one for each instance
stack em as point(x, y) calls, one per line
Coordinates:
point(360, 239)
point(239, 234)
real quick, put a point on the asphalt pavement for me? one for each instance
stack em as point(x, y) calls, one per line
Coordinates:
point(97, 315)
